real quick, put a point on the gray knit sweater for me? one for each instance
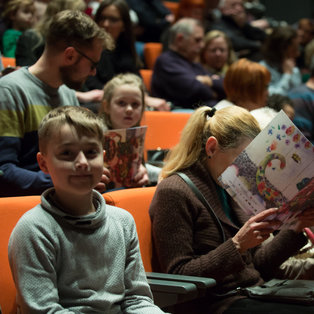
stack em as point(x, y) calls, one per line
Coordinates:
point(86, 264)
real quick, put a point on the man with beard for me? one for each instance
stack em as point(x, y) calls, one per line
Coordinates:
point(73, 47)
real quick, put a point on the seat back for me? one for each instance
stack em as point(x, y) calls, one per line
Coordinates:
point(163, 128)
point(151, 52)
point(11, 209)
point(136, 201)
point(172, 6)
point(146, 75)
point(8, 62)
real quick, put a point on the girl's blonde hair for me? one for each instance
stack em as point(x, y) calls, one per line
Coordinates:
point(229, 126)
point(120, 79)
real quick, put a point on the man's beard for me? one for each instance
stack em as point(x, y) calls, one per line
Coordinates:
point(67, 73)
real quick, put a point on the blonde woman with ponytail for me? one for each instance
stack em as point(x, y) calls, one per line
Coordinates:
point(217, 240)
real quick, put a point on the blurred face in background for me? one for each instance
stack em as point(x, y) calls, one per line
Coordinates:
point(189, 46)
point(293, 49)
point(216, 53)
point(305, 31)
point(111, 21)
point(232, 7)
point(23, 18)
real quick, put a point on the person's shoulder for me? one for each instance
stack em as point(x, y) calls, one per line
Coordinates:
point(68, 91)
point(14, 78)
point(171, 185)
point(32, 219)
point(119, 214)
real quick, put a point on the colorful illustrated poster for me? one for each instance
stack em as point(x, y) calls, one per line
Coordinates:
point(124, 152)
point(275, 170)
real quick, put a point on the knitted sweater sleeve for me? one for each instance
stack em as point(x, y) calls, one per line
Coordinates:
point(174, 211)
point(32, 264)
point(16, 179)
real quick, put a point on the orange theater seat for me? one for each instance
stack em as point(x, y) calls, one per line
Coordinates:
point(11, 209)
point(146, 75)
point(151, 52)
point(168, 290)
point(163, 128)
point(136, 201)
point(172, 6)
point(8, 62)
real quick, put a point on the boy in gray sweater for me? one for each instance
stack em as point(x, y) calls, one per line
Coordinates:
point(73, 253)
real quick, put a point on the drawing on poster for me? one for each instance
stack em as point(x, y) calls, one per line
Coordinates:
point(275, 170)
point(124, 152)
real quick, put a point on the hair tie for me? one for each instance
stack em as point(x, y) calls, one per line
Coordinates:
point(210, 114)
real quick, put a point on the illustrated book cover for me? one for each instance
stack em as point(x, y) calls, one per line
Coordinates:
point(275, 170)
point(124, 153)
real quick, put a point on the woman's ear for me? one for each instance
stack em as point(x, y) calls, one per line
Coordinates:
point(41, 159)
point(211, 146)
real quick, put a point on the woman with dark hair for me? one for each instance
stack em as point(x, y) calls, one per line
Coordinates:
point(280, 51)
point(114, 17)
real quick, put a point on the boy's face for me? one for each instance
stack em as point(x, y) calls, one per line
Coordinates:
point(75, 163)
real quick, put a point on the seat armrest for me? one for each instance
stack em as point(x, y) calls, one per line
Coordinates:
point(168, 293)
point(200, 282)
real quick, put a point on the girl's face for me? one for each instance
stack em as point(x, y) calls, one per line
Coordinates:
point(111, 21)
point(23, 18)
point(126, 107)
point(216, 53)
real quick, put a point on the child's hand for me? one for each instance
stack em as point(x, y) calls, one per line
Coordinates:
point(141, 177)
point(105, 179)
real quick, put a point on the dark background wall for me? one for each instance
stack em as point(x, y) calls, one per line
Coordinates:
point(289, 10)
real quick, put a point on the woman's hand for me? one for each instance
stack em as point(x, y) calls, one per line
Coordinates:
point(255, 231)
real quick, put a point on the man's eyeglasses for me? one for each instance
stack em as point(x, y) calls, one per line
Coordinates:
point(94, 64)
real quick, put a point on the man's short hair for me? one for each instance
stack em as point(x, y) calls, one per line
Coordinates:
point(84, 121)
point(75, 28)
point(183, 26)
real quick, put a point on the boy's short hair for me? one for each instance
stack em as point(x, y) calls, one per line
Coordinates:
point(84, 121)
point(75, 28)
